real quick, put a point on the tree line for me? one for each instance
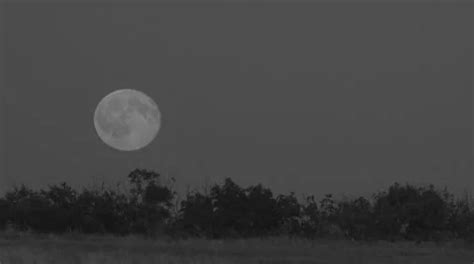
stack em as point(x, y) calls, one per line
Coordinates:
point(227, 210)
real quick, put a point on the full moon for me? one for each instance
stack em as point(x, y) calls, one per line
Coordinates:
point(127, 120)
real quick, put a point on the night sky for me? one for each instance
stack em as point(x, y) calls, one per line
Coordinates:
point(311, 98)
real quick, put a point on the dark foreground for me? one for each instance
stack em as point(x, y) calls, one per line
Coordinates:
point(103, 250)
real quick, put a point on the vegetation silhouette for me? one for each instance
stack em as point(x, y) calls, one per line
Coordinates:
point(402, 212)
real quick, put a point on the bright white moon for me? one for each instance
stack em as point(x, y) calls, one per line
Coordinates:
point(127, 120)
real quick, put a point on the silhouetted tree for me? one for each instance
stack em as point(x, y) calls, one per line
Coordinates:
point(461, 219)
point(61, 200)
point(263, 216)
point(410, 212)
point(150, 201)
point(289, 214)
point(228, 210)
point(197, 215)
point(4, 213)
point(311, 218)
point(355, 218)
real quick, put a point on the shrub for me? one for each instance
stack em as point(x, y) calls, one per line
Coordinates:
point(229, 210)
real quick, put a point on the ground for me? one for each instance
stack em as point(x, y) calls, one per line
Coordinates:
point(135, 250)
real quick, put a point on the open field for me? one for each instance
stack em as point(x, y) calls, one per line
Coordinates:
point(103, 250)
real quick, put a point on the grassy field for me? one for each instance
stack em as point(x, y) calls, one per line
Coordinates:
point(135, 250)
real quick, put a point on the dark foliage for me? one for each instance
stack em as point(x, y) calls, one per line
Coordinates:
point(289, 214)
point(196, 215)
point(61, 209)
point(355, 218)
point(229, 210)
point(412, 213)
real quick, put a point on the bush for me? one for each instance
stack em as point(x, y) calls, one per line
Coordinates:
point(60, 209)
point(229, 210)
point(411, 213)
point(356, 218)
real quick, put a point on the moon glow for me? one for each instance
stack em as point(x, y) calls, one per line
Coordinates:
point(127, 120)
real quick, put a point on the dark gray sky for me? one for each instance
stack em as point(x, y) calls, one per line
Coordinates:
point(312, 98)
